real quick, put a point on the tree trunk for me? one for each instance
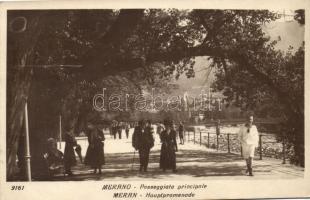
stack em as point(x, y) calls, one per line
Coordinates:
point(20, 54)
point(15, 116)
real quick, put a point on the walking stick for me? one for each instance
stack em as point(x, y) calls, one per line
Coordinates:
point(133, 159)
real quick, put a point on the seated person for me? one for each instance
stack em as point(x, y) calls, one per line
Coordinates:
point(53, 156)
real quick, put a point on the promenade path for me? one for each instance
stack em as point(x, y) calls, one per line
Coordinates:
point(193, 162)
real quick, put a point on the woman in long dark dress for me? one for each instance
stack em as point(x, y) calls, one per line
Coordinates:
point(95, 154)
point(168, 147)
point(69, 155)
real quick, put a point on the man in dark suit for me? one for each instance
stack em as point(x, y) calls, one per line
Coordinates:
point(127, 130)
point(181, 133)
point(119, 130)
point(114, 128)
point(143, 141)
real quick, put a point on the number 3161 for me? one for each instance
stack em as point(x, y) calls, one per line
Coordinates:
point(17, 187)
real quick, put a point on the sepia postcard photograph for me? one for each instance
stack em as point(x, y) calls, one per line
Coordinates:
point(154, 101)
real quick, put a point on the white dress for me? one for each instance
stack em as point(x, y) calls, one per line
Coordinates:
point(248, 138)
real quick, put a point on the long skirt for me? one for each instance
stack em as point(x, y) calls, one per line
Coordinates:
point(167, 157)
point(248, 150)
point(94, 156)
point(69, 157)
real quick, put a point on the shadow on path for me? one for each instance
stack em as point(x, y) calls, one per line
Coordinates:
point(193, 163)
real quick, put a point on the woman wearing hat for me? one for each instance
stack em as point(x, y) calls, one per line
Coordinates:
point(168, 147)
point(69, 155)
point(95, 151)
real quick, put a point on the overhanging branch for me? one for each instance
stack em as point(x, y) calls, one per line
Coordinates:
point(121, 29)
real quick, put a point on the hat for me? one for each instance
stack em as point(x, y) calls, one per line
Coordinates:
point(168, 122)
point(141, 122)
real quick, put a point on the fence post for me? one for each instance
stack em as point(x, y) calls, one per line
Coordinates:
point(208, 140)
point(228, 143)
point(217, 142)
point(200, 139)
point(283, 151)
point(241, 150)
point(260, 148)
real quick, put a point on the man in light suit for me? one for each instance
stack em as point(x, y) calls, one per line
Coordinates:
point(248, 137)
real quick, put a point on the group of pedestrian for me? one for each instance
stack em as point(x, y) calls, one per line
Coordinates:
point(118, 127)
point(143, 141)
point(94, 155)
